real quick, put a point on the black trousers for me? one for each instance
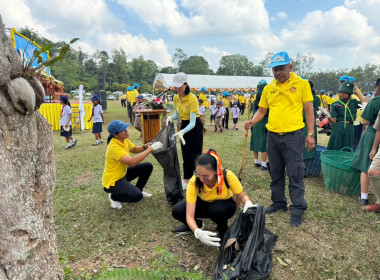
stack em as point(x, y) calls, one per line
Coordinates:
point(242, 108)
point(130, 111)
point(123, 103)
point(357, 135)
point(219, 211)
point(286, 151)
point(193, 147)
point(124, 191)
point(225, 120)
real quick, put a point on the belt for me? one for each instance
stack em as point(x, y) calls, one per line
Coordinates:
point(284, 133)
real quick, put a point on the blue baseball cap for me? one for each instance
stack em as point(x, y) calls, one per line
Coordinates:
point(140, 96)
point(94, 97)
point(204, 89)
point(235, 103)
point(200, 100)
point(136, 85)
point(280, 58)
point(323, 91)
point(225, 93)
point(303, 77)
point(64, 98)
point(129, 88)
point(343, 78)
point(219, 103)
point(263, 81)
point(117, 126)
point(351, 79)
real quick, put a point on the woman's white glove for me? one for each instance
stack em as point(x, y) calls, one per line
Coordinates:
point(180, 135)
point(247, 205)
point(156, 145)
point(207, 237)
point(168, 120)
point(325, 112)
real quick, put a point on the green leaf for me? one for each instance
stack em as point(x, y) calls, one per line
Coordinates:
point(45, 48)
point(74, 40)
point(36, 53)
point(40, 60)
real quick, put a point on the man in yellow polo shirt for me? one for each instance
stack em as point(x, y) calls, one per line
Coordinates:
point(203, 97)
point(285, 97)
point(242, 102)
point(129, 103)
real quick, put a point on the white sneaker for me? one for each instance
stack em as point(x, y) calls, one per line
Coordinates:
point(115, 204)
point(145, 194)
point(184, 185)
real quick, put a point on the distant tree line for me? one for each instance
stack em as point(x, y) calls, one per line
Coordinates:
point(120, 70)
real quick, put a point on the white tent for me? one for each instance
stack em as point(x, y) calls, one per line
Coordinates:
point(211, 82)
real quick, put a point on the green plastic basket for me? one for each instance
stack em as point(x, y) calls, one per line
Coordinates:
point(337, 172)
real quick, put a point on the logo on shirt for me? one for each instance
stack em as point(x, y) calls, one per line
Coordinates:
point(272, 92)
point(293, 90)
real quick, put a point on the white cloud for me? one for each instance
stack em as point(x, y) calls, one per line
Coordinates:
point(90, 20)
point(213, 56)
point(211, 17)
point(279, 16)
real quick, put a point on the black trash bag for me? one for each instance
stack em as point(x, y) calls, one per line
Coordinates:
point(247, 248)
point(167, 157)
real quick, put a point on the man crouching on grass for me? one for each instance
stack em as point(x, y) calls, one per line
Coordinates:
point(286, 96)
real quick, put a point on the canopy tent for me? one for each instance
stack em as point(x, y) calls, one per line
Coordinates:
point(211, 82)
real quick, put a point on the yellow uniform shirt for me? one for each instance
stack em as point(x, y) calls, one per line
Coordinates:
point(219, 97)
point(241, 99)
point(203, 97)
point(123, 97)
point(211, 195)
point(186, 106)
point(130, 96)
point(285, 102)
point(135, 93)
point(114, 169)
point(226, 103)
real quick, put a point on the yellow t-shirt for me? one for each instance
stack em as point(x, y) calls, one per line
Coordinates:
point(219, 97)
point(130, 96)
point(241, 99)
point(135, 93)
point(123, 97)
point(186, 106)
point(114, 169)
point(203, 97)
point(285, 102)
point(226, 103)
point(211, 195)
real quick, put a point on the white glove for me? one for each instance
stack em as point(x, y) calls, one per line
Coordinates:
point(207, 237)
point(319, 112)
point(168, 120)
point(325, 112)
point(156, 145)
point(180, 135)
point(247, 205)
point(363, 105)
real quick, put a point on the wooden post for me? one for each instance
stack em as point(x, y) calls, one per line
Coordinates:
point(151, 125)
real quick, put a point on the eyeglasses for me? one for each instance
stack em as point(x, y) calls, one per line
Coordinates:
point(204, 177)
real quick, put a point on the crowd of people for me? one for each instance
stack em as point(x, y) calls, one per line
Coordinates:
point(283, 129)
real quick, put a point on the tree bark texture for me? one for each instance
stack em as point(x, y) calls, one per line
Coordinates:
point(27, 168)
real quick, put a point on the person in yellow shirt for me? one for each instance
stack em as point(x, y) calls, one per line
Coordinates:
point(136, 88)
point(209, 195)
point(226, 104)
point(129, 103)
point(242, 102)
point(191, 130)
point(123, 99)
point(203, 97)
point(120, 168)
point(219, 97)
point(286, 97)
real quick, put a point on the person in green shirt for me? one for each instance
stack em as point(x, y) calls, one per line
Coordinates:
point(342, 117)
point(361, 159)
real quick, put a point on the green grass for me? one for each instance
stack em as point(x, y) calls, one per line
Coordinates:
point(336, 241)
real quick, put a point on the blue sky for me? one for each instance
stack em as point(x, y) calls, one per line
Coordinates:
point(337, 33)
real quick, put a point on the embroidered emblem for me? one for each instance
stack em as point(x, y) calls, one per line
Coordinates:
point(278, 58)
point(272, 92)
point(293, 90)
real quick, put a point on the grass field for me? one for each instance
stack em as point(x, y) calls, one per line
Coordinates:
point(336, 241)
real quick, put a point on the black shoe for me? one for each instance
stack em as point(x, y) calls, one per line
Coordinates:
point(273, 208)
point(295, 220)
point(363, 202)
point(322, 131)
point(74, 143)
point(257, 165)
point(184, 229)
point(263, 167)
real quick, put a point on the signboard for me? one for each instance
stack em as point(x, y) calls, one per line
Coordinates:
point(25, 47)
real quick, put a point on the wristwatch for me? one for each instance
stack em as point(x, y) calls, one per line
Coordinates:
point(311, 134)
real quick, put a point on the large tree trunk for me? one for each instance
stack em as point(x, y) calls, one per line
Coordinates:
point(27, 236)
